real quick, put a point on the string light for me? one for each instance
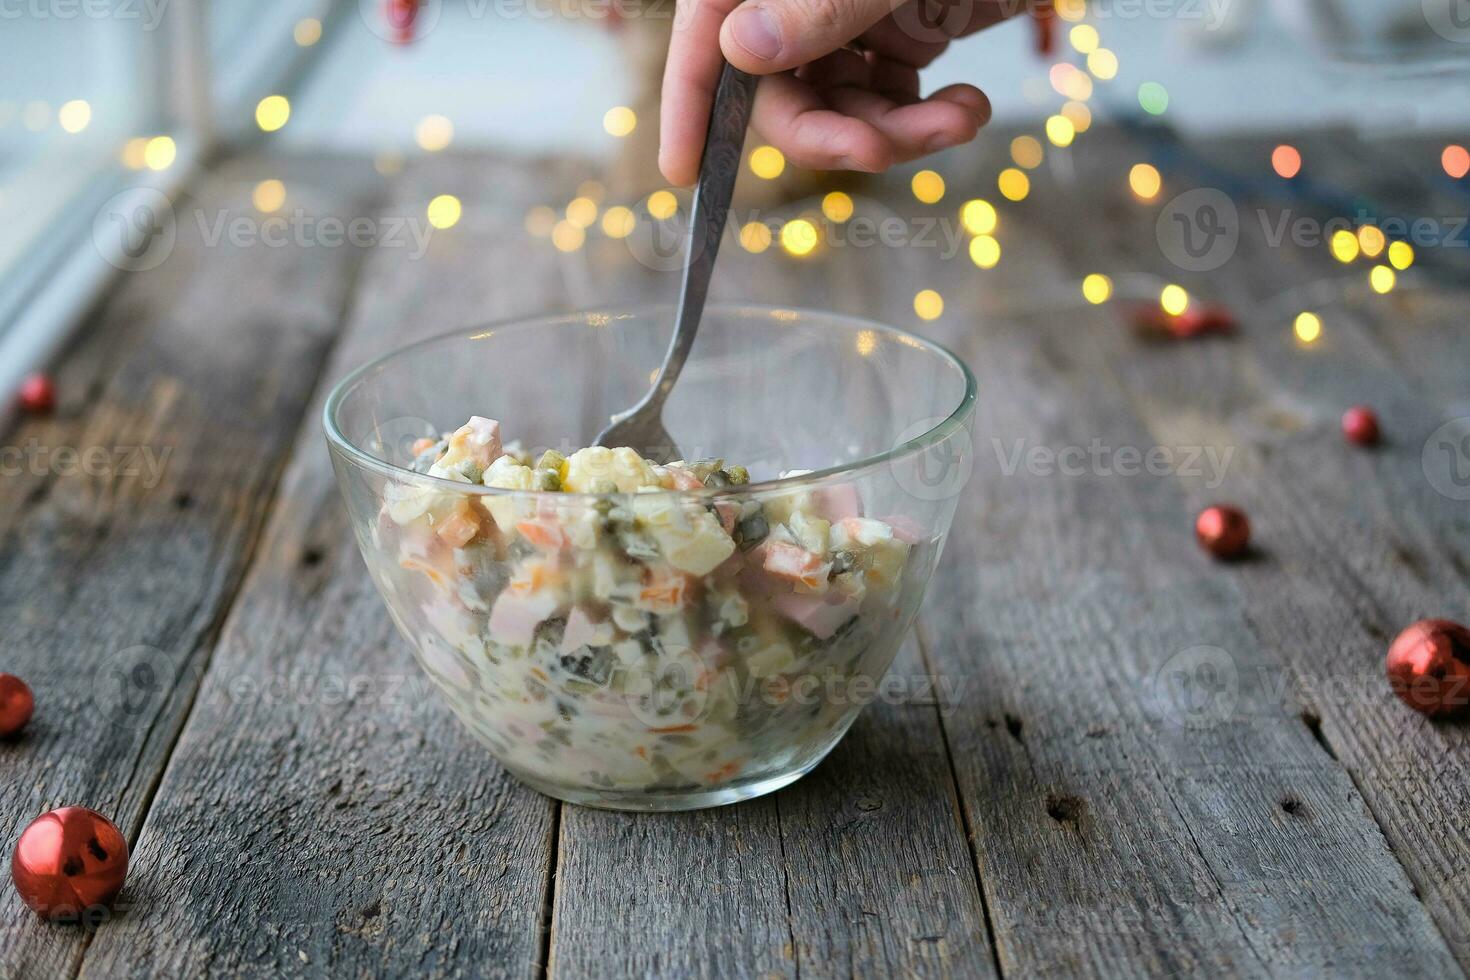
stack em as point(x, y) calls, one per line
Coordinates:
point(1456, 160)
point(540, 220)
point(268, 196)
point(1286, 160)
point(444, 211)
point(767, 162)
point(1382, 279)
point(1371, 240)
point(927, 186)
point(1027, 152)
point(663, 205)
point(1344, 246)
point(755, 237)
point(1174, 299)
point(1400, 255)
point(799, 237)
point(308, 31)
point(619, 121)
point(1153, 98)
point(618, 222)
point(433, 133)
point(1103, 64)
point(1084, 38)
point(1060, 131)
point(134, 153)
point(159, 153)
point(1079, 115)
point(928, 304)
point(978, 217)
point(272, 112)
point(74, 115)
point(984, 251)
point(1014, 184)
point(837, 206)
point(582, 212)
point(567, 237)
point(1096, 288)
point(1071, 10)
point(1308, 327)
point(1145, 181)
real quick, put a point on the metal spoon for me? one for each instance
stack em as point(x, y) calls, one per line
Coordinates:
point(641, 427)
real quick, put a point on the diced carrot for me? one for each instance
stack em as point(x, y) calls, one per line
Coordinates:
point(460, 528)
point(664, 591)
point(545, 535)
point(794, 564)
point(671, 729)
point(419, 445)
point(532, 577)
point(540, 674)
point(641, 752)
point(418, 565)
point(724, 772)
point(683, 479)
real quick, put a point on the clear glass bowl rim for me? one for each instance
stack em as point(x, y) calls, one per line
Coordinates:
point(918, 444)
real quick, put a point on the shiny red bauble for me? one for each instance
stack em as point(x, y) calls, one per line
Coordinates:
point(1360, 425)
point(1429, 667)
point(37, 394)
point(16, 705)
point(69, 861)
point(1223, 531)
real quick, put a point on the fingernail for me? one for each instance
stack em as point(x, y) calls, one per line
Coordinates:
point(755, 31)
point(848, 163)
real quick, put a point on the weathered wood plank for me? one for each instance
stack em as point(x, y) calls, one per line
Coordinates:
point(115, 572)
point(323, 813)
point(1143, 801)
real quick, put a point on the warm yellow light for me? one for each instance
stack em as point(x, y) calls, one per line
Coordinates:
point(1071, 10)
point(618, 222)
point(927, 186)
point(1027, 152)
point(978, 217)
point(134, 153)
point(433, 133)
point(799, 237)
point(1382, 279)
point(984, 251)
point(1400, 255)
point(268, 196)
point(619, 121)
point(755, 237)
point(582, 211)
point(867, 342)
point(1079, 115)
point(1084, 38)
point(928, 304)
point(567, 237)
point(1060, 131)
point(1174, 299)
point(766, 162)
point(444, 211)
point(590, 189)
point(1014, 184)
point(1145, 181)
point(540, 220)
point(1103, 64)
point(1096, 288)
point(837, 206)
point(74, 115)
point(159, 153)
point(1371, 240)
point(272, 112)
point(1344, 245)
point(663, 204)
point(308, 31)
point(1308, 327)
point(1286, 160)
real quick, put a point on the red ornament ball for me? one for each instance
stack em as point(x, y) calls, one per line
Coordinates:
point(1223, 531)
point(1360, 425)
point(69, 861)
point(37, 394)
point(16, 705)
point(1429, 667)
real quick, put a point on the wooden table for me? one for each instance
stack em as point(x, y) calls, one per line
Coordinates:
point(1134, 761)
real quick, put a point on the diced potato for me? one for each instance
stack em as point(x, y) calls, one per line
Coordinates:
point(624, 467)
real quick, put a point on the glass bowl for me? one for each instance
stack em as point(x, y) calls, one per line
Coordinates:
point(669, 648)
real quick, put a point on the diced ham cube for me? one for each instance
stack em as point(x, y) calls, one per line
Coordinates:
point(683, 479)
point(838, 502)
point(515, 616)
point(581, 631)
point(787, 561)
point(905, 529)
point(543, 533)
point(818, 615)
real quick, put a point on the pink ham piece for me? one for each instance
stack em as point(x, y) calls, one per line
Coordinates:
point(477, 439)
point(514, 617)
point(818, 615)
point(683, 479)
point(838, 502)
point(905, 529)
point(792, 563)
point(580, 631)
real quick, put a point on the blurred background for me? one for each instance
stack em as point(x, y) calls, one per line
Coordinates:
point(101, 96)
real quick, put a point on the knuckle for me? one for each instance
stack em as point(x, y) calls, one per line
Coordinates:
point(826, 13)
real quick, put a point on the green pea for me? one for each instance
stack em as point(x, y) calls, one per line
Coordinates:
point(602, 485)
point(738, 475)
point(546, 479)
point(551, 460)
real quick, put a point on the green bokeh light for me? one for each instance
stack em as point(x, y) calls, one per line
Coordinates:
point(1153, 97)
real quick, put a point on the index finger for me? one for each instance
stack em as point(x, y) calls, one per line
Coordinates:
point(690, 76)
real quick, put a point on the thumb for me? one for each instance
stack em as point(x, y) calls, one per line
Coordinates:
point(765, 36)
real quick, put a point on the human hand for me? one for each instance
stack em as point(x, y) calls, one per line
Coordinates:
point(843, 91)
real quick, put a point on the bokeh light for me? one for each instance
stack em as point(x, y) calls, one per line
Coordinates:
point(1084, 38)
point(134, 153)
point(984, 251)
point(1456, 160)
point(1071, 10)
point(799, 237)
point(540, 220)
point(1371, 240)
point(1014, 184)
point(444, 211)
point(1382, 279)
point(433, 133)
point(1308, 327)
point(978, 217)
point(74, 115)
point(272, 112)
point(268, 196)
point(1174, 299)
point(755, 237)
point(618, 221)
point(159, 153)
point(1027, 152)
point(1286, 160)
point(767, 162)
point(927, 186)
point(619, 121)
point(1103, 64)
point(582, 212)
point(1079, 115)
point(1060, 131)
point(1145, 181)
point(1344, 245)
point(1400, 255)
point(567, 237)
point(1097, 288)
point(837, 206)
point(308, 31)
point(663, 205)
point(928, 304)
point(1153, 97)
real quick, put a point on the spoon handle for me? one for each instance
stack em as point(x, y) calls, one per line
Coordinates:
point(718, 169)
